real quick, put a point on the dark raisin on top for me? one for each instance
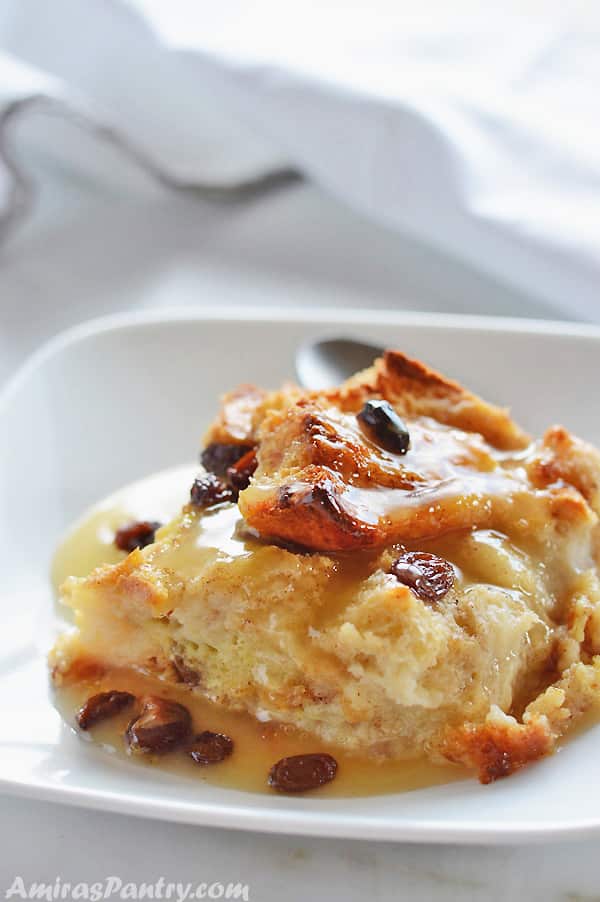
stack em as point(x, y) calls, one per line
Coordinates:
point(299, 773)
point(430, 577)
point(217, 457)
point(136, 535)
point(239, 475)
point(385, 426)
point(210, 748)
point(161, 726)
point(209, 490)
point(101, 706)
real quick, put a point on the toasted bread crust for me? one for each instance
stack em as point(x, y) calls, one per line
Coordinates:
point(498, 747)
point(417, 390)
point(234, 423)
point(325, 483)
point(564, 457)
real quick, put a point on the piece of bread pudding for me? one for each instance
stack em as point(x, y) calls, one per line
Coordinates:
point(393, 566)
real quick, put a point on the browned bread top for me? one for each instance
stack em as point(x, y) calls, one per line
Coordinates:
point(326, 481)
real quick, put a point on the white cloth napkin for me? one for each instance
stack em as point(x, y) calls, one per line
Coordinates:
point(473, 128)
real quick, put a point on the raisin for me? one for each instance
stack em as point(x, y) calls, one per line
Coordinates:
point(324, 494)
point(219, 456)
point(239, 475)
point(101, 706)
point(210, 748)
point(184, 673)
point(300, 773)
point(387, 428)
point(430, 577)
point(209, 490)
point(161, 726)
point(136, 535)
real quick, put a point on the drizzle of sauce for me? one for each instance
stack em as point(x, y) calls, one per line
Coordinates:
point(360, 495)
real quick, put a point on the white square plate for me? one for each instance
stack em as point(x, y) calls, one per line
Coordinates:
point(120, 398)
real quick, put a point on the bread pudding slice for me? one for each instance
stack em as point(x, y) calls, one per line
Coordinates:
point(393, 566)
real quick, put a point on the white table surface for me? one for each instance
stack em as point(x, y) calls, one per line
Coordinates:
point(88, 251)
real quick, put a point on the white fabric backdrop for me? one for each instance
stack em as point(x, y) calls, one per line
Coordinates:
point(474, 129)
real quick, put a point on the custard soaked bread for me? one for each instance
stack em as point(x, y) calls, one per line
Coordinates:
point(393, 566)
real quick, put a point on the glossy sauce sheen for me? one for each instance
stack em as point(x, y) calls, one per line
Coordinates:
point(257, 745)
point(454, 472)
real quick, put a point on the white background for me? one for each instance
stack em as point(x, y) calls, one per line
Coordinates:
point(86, 252)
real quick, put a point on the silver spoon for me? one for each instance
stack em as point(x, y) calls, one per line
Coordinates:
point(324, 363)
